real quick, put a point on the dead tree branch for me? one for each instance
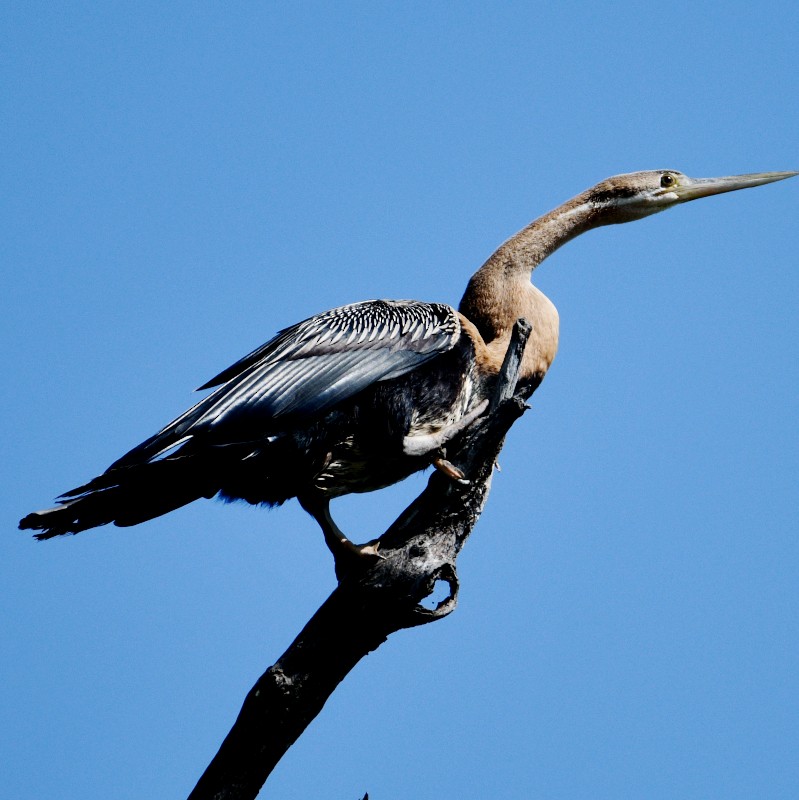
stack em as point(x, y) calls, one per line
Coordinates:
point(419, 550)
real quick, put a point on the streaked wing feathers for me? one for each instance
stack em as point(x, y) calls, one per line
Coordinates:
point(310, 367)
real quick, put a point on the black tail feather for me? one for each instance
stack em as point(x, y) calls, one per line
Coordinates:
point(127, 496)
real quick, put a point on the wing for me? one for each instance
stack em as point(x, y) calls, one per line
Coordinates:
point(309, 368)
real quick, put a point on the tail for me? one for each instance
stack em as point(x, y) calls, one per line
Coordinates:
point(126, 496)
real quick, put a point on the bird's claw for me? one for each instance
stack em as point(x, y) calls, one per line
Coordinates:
point(351, 558)
point(369, 550)
point(450, 470)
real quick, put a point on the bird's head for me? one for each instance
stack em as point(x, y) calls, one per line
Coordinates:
point(624, 198)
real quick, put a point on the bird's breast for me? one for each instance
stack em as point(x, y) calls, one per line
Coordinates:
point(492, 332)
point(542, 346)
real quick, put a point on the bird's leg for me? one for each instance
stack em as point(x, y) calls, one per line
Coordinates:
point(347, 555)
point(423, 444)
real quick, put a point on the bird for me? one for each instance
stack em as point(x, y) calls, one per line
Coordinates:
point(360, 397)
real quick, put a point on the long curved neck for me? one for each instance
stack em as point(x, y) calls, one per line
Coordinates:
point(500, 291)
point(523, 252)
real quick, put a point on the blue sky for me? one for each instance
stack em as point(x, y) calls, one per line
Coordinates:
point(180, 182)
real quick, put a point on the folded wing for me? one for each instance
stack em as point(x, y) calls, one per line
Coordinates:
point(309, 368)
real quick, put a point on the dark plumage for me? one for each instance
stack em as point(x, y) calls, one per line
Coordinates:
point(323, 408)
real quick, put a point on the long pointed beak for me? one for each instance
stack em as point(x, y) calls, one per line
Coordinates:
point(704, 187)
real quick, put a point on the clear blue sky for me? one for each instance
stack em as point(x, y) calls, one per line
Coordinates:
point(182, 180)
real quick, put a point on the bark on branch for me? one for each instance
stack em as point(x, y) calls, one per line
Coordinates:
point(419, 550)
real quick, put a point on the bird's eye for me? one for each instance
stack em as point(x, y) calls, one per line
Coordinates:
point(667, 180)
